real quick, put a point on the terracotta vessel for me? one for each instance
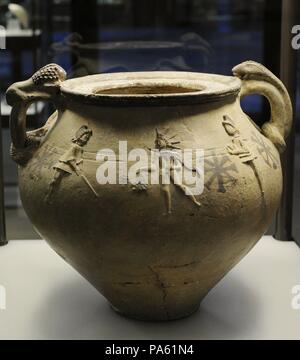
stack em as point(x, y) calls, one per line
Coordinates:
point(153, 251)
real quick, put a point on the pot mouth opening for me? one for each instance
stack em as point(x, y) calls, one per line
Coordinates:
point(153, 87)
point(148, 88)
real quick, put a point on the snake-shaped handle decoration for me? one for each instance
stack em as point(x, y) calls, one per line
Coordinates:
point(43, 85)
point(257, 79)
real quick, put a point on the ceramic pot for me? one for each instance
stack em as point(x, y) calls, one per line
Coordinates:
point(153, 250)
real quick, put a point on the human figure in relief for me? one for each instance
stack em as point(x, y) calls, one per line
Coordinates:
point(165, 145)
point(69, 163)
point(238, 145)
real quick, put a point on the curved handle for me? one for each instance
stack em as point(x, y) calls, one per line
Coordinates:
point(257, 79)
point(43, 85)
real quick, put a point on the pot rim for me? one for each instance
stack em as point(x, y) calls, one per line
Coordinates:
point(151, 88)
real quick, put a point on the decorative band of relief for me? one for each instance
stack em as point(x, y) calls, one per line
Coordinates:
point(91, 156)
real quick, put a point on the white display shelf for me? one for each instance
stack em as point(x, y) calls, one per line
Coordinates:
point(47, 299)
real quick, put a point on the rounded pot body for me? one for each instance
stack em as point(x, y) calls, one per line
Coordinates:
point(153, 250)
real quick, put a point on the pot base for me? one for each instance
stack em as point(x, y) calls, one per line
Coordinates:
point(150, 317)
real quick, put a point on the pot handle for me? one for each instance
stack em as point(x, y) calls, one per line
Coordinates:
point(257, 79)
point(43, 85)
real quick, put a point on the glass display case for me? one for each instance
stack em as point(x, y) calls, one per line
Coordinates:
point(99, 36)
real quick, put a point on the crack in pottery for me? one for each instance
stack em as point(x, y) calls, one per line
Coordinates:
point(163, 289)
